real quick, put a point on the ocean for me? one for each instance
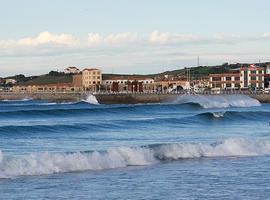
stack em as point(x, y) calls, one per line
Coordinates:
point(196, 147)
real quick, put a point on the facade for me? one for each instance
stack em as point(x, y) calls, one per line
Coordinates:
point(129, 84)
point(267, 77)
point(77, 80)
point(55, 87)
point(244, 78)
point(72, 70)
point(225, 81)
point(252, 77)
point(10, 81)
point(91, 79)
point(172, 85)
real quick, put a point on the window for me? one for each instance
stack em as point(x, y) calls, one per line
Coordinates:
point(216, 79)
point(228, 78)
point(253, 78)
point(228, 85)
point(237, 85)
point(237, 78)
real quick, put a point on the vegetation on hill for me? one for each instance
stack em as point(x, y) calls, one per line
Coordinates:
point(195, 72)
point(52, 77)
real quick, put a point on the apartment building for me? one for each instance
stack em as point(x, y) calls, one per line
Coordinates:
point(225, 81)
point(91, 79)
point(244, 78)
point(128, 84)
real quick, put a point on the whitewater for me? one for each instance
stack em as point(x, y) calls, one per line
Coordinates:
point(218, 144)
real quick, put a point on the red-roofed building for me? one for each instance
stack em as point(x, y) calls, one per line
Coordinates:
point(244, 77)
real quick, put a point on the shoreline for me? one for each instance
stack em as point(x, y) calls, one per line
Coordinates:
point(117, 98)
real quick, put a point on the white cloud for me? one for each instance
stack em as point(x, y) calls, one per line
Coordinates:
point(112, 39)
point(49, 38)
point(157, 37)
point(130, 49)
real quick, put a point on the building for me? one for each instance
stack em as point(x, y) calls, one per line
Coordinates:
point(72, 70)
point(251, 77)
point(10, 81)
point(129, 84)
point(172, 85)
point(267, 77)
point(77, 80)
point(225, 81)
point(91, 79)
point(49, 88)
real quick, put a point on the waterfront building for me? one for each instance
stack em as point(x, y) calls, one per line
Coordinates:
point(77, 80)
point(225, 81)
point(172, 85)
point(91, 79)
point(10, 81)
point(72, 70)
point(243, 78)
point(128, 84)
point(46, 88)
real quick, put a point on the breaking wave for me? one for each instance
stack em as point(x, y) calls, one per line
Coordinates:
point(91, 99)
point(218, 101)
point(50, 163)
point(235, 115)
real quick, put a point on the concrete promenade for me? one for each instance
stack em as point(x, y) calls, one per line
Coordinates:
point(121, 98)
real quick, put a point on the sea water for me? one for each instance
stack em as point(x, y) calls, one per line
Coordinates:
point(196, 147)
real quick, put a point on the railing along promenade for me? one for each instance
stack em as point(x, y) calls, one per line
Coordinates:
point(206, 92)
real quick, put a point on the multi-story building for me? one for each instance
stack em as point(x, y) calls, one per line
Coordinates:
point(244, 78)
point(48, 88)
point(225, 81)
point(72, 70)
point(172, 85)
point(129, 84)
point(91, 79)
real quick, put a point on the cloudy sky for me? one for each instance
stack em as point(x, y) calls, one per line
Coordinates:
point(130, 36)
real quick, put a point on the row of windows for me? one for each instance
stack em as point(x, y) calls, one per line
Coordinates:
point(93, 77)
point(125, 82)
point(94, 73)
point(90, 82)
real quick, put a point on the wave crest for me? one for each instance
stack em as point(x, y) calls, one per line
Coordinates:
point(49, 163)
point(218, 101)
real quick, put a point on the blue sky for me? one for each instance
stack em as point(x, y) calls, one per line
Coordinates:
point(124, 36)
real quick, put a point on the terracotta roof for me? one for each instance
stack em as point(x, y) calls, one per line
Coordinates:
point(90, 69)
point(127, 78)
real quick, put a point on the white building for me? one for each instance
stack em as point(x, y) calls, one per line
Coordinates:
point(72, 70)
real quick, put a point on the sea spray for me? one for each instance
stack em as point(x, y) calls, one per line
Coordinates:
point(91, 99)
point(50, 163)
point(218, 101)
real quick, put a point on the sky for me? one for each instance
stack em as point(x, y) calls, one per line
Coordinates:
point(130, 36)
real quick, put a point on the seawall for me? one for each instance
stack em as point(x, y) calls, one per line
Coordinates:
point(51, 97)
point(116, 98)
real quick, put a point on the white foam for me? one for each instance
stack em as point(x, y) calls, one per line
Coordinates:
point(218, 101)
point(91, 99)
point(218, 114)
point(49, 163)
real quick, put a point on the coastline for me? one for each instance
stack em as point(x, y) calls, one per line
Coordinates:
point(117, 98)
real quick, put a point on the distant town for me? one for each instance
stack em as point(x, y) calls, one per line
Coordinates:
point(230, 77)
